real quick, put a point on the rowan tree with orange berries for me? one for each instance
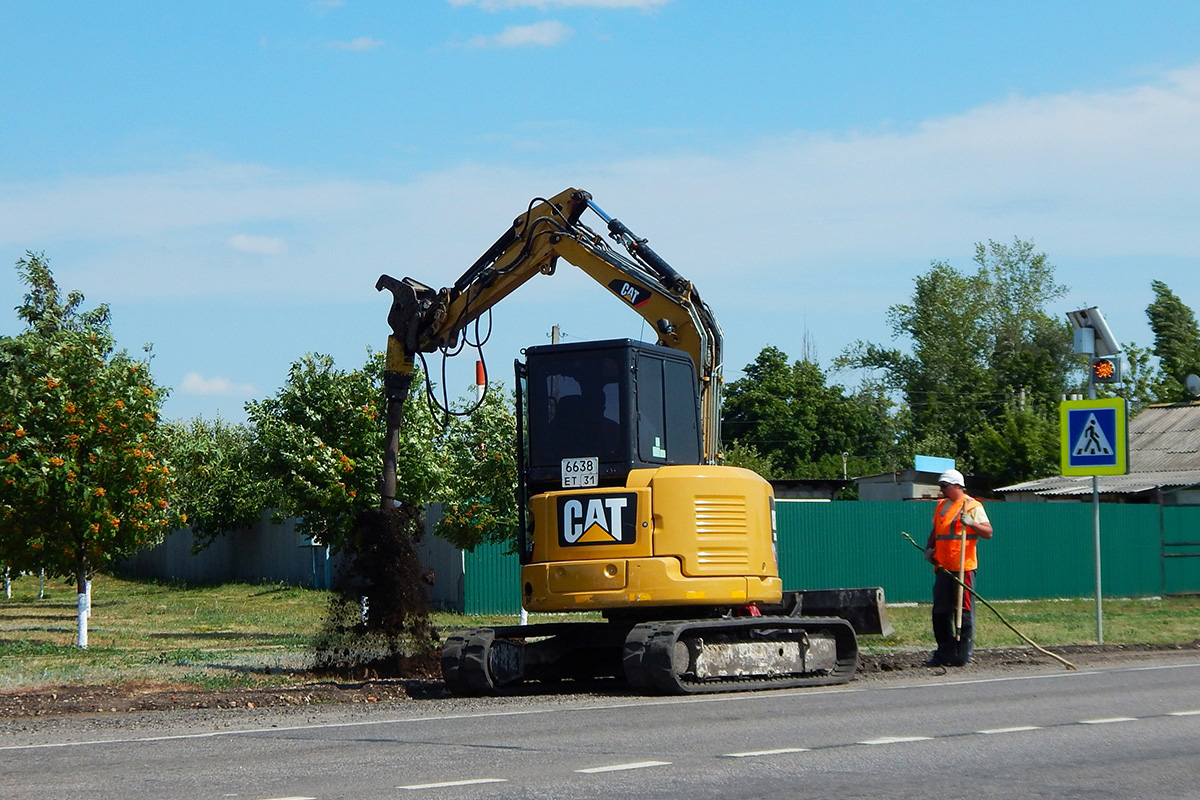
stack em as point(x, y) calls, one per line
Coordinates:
point(83, 483)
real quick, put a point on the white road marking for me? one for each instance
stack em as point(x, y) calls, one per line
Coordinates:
point(1017, 729)
point(897, 739)
point(776, 752)
point(445, 784)
point(620, 767)
point(1107, 721)
point(1184, 713)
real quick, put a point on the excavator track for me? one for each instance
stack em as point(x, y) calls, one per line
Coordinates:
point(740, 654)
point(481, 661)
point(731, 654)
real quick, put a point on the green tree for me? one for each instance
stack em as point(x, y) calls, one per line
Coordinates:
point(1017, 445)
point(1176, 343)
point(319, 446)
point(748, 457)
point(219, 489)
point(83, 482)
point(787, 413)
point(984, 354)
point(479, 495)
point(1142, 381)
point(314, 452)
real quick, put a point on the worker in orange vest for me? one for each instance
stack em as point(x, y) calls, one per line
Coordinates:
point(959, 521)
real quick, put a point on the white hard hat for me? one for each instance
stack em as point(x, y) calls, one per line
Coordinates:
point(952, 476)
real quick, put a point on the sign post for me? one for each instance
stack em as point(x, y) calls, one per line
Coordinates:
point(1095, 441)
point(1098, 443)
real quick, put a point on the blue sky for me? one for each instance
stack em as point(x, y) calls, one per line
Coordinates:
point(232, 177)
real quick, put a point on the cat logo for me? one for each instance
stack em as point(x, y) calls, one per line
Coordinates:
point(629, 292)
point(597, 519)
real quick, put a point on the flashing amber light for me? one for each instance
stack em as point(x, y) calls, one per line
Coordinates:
point(1105, 370)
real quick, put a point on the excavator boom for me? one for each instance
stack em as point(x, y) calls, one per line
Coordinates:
point(424, 320)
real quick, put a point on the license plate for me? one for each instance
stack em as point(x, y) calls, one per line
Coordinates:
point(580, 473)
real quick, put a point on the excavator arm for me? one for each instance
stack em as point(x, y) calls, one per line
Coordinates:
point(424, 320)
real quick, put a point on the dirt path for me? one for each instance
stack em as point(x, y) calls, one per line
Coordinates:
point(126, 698)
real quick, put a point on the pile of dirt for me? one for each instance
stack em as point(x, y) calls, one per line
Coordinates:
point(378, 622)
point(124, 698)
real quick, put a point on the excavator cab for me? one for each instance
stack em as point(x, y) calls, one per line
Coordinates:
point(594, 411)
point(589, 413)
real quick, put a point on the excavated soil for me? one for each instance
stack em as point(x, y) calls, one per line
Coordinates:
point(423, 683)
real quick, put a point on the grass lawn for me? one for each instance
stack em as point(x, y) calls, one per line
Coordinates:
point(1138, 621)
point(241, 635)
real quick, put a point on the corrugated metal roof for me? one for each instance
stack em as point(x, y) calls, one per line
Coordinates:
point(1062, 485)
point(1165, 438)
point(1164, 451)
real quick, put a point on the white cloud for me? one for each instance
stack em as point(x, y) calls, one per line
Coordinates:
point(358, 45)
point(504, 5)
point(1089, 176)
point(196, 384)
point(540, 34)
point(799, 230)
point(258, 245)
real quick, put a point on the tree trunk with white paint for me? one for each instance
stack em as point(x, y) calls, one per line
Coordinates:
point(83, 604)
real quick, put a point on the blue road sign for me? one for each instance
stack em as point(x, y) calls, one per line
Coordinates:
point(1094, 438)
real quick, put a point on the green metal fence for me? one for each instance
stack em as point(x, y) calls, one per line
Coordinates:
point(1181, 549)
point(491, 581)
point(1039, 550)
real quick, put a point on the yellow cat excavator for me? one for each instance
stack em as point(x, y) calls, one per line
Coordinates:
point(624, 508)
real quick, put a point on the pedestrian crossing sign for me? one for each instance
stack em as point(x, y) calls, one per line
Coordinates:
point(1094, 437)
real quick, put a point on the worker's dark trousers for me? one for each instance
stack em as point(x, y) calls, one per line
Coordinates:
point(950, 651)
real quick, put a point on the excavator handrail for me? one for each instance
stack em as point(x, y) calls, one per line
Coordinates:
point(424, 320)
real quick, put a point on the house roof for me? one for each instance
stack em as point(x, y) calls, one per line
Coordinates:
point(1165, 438)
point(1134, 482)
point(1164, 451)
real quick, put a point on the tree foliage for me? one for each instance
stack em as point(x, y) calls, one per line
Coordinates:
point(83, 477)
point(1142, 379)
point(1017, 445)
point(479, 495)
point(317, 445)
point(747, 456)
point(219, 487)
point(985, 355)
point(789, 415)
point(1176, 343)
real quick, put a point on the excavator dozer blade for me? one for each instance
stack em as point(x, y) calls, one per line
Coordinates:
point(864, 608)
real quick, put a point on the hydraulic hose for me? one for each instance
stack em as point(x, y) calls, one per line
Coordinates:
point(991, 607)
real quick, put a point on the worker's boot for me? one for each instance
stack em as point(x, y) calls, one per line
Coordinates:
point(946, 653)
point(965, 646)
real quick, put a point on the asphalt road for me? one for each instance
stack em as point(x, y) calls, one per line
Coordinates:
point(1130, 730)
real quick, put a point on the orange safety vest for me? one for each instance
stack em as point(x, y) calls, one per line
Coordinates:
point(947, 534)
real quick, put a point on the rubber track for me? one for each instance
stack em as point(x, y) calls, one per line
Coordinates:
point(452, 654)
point(465, 656)
point(649, 655)
point(637, 674)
